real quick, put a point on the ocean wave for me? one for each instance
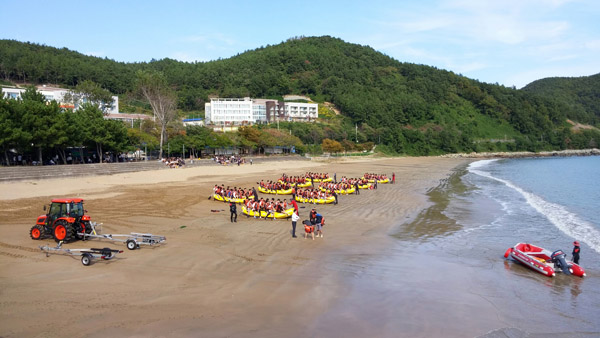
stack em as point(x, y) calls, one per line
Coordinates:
point(566, 221)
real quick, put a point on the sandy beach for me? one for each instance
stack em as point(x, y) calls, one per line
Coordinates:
point(214, 278)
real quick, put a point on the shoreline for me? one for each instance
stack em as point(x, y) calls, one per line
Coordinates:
point(526, 154)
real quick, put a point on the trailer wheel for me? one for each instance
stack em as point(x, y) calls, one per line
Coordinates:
point(86, 259)
point(36, 232)
point(131, 245)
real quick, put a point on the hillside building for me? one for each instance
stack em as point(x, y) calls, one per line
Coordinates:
point(246, 111)
point(58, 95)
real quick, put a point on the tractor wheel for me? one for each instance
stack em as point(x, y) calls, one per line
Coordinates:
point(81, 228)
point(88, 227)
point(131, 244)
point(36, 232)
point(86, 259)
point(62, 231)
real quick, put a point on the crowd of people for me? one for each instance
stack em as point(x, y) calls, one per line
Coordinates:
point(312, 194)
point(371, 176)
point(277, 185)
point(270, 206)
point(235, 192)
point(293, 180)
point(266, 208)
point(340, 186)
point(173, 162)
point(233, 159)
point(316, 176)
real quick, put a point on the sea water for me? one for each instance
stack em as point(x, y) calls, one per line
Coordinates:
point(549, 202)
point(447, 276)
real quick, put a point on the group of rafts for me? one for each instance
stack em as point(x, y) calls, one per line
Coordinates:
point(302, 188)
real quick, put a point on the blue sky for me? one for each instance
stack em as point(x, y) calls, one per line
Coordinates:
point(511, 42)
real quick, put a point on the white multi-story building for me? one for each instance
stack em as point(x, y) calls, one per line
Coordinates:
point(231, 111)
point(58, 95)
point(298, 111)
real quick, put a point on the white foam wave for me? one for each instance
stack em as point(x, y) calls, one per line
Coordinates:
point(558, 215)
point(480, 164)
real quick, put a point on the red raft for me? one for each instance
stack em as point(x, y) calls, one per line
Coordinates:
point(543, 261)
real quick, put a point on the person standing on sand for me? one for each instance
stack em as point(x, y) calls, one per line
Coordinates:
point(335, 195)
point(295, 218)
point(356, 188)
point(576, 251)
point(233, 210)
point(319, 225)
point(393, 178)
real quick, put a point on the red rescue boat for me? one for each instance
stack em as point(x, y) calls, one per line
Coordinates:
point(543, 261)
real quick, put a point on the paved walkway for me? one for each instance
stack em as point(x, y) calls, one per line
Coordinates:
point(16, 173)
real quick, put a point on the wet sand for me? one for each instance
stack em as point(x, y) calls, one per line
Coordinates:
point(214, 278)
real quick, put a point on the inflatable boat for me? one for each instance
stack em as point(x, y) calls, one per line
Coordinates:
point(327, 200)
point(543, 261)
point(380, 181)
point(276, 192)
point(340, 191)
point(264, 214)
point(229, 199)
point(319, 180)
point(298, 185)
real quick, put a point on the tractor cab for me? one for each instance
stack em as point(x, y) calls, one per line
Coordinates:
point(64, 220)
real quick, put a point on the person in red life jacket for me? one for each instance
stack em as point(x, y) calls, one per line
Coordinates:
point(576, 251)
point(293, 202)
point(393, 178)
point(309, 228)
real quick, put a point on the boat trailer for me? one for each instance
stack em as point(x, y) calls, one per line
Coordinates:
point(87, 255)
point(133, 240)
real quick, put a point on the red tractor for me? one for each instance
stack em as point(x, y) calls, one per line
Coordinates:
point(64, 221)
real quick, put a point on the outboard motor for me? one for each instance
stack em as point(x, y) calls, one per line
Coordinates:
point(558, 258)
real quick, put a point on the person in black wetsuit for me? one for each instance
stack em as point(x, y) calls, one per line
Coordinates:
point(233, 210)
point(576, 251)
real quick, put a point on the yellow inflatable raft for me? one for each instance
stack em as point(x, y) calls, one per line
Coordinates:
point(276, 192)
point(229, 199)
point(299, 185)
point(386, 180)
point(341, 191)
point(327, 200)
point(264, 214)
point(318, 180)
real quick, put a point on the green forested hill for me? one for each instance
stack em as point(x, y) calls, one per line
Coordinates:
point(413, 109)
point(581, 94)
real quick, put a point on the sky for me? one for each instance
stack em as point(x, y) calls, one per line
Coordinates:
point(509, 42)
